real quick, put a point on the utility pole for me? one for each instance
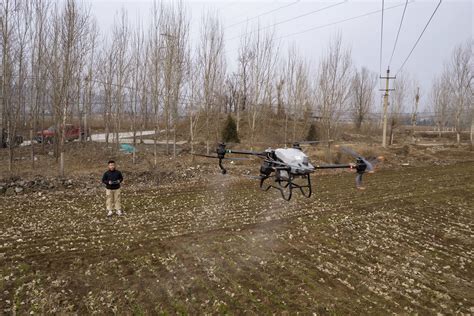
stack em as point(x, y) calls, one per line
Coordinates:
point(385, 106)
point(413, 115)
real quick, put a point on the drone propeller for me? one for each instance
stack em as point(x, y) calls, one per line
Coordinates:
point(370, 162)
point(349, 151)
point(363, 165)
point(221, 151)
point(297, 144)
point(312, 142)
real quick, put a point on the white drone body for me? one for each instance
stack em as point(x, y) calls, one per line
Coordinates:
point(297, 161)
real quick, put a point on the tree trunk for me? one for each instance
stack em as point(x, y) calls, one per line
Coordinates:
point(391, 135)
point(208, 132)
point(471, 134)
point(61, 165)
point(191, 135)
point(32, 150)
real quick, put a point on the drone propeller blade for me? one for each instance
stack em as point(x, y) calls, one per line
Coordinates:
point(372, 163)
point(370, 166)
point(314, 141)
point(350, 151)
point(221, 148)
point(363, 165)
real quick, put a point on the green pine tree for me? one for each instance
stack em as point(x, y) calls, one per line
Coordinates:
point(229, 134)
point(312, 132)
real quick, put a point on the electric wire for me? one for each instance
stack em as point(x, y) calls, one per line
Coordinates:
point(381, 39)
point(262, 14)
point(338, 22)
point(398, 33)
point(418, 40)
point(287, 20)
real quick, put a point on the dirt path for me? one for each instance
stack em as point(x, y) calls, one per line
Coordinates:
point(124, 137)
point(403, 246)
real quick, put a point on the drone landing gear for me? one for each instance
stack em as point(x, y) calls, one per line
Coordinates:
point(286, 185)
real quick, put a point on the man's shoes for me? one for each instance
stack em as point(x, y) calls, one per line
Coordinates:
point(110, 213)
point(119, 212)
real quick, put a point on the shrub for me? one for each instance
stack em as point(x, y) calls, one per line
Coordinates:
point(229, 134)
point(312, 132)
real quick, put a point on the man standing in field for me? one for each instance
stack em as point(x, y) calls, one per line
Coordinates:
point(112, 179)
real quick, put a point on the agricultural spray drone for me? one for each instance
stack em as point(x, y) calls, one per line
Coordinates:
point(285, 165)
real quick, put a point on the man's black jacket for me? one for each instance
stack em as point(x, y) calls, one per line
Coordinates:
point(114, 176)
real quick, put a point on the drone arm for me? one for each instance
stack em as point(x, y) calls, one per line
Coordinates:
point(335, 166)
point(244, 152)
point(360, 166)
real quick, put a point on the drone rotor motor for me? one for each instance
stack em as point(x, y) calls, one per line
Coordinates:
point(266, 169)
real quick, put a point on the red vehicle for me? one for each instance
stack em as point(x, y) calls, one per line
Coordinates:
point(48, 135)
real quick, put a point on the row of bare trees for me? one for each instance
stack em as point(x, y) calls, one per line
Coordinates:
point(451, 94)
point(44, 46)
point(56, 64)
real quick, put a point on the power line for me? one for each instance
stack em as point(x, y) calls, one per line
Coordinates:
point(398, 33)
point(338, 22)
point(416, 43)
point(228, 5)
point(381, 39)
point(262, 14)
point(331, 24)
point(289, 20)
point(238, 17)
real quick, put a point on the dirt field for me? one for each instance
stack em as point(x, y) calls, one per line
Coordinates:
point(405, 246)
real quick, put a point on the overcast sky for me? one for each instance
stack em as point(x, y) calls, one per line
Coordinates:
point(452, 24)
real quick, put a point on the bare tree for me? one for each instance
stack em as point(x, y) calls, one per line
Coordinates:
point(414, 109)
point(211, 67)
point(194, 107)
point(38, 60)
point(105, 73)
point(175, 26)
point(10, 108)
point(233, 93)
point(245, 55)
point(16, 31)
point(333, 85)
point(261, 54)
point(138, 75)
point(363, 85)
point(155, 77)
point(398, 100)
point(90, 81)
point(121, 48)
point(297, 89)
point(459, 77)
point(440, 103)
point(280, 102)
point(68, 31)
